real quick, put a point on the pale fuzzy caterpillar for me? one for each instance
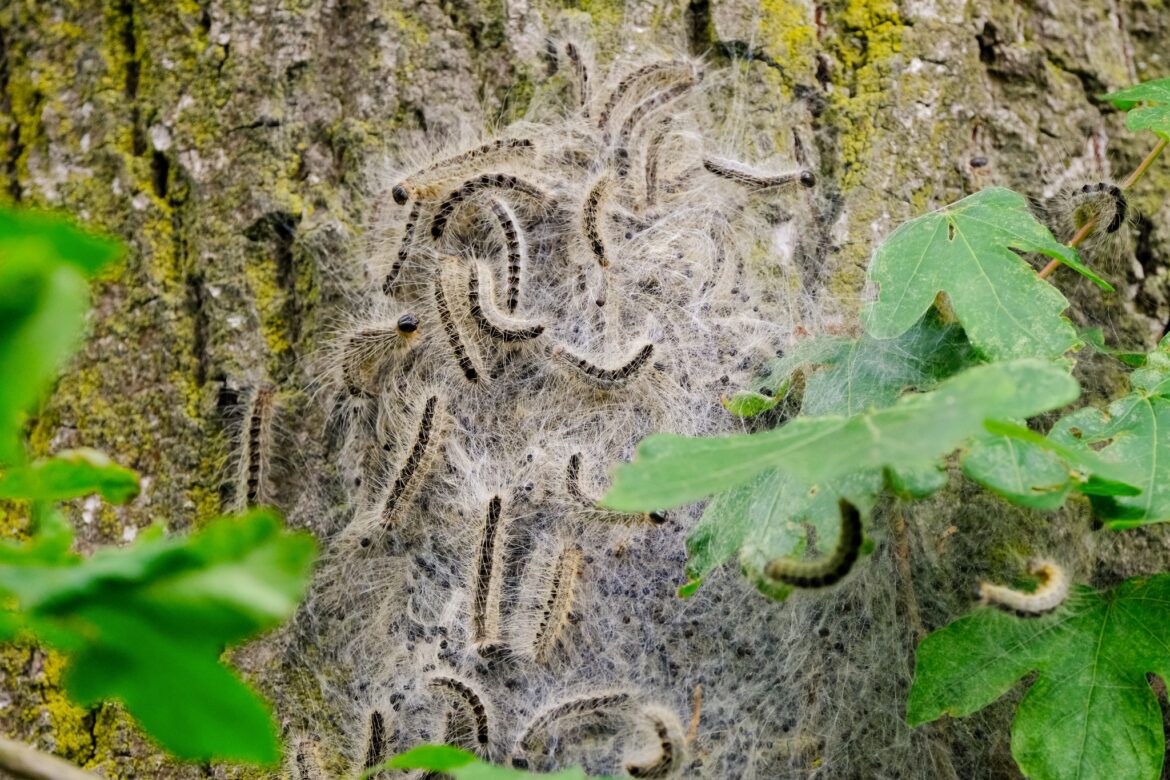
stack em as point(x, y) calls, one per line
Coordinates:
point(578, 494)
point(648, 75)
point(375, 741)
point(419, 461)
point(417, 185)
point(404, 249)
point(651, 165)
point(641, 111)
point(1105, 205)
point(488, 577)
point(467, 724)
point(580, 72)
point(534, 738)
point(254, 463)
point(559, 586)
point(304, 760)
point(605, 378)
point(753, 179)
point(590, 223)
point(514, 245)
point(476, 184)
point(664, 756)
point(1050, 592)
point(368, 348)
point(459, 350)
point(480, 294)
point(819, 574)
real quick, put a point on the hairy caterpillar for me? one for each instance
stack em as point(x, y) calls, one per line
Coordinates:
point(532, 738)
point(666, 757)
point(1049, 594)
point(375, 740)
point(573, 486)
point(489, 323)
point(304, 762)
point(1099, 201)
point(607, 377)
point(405, 189)
point(256, 445)
point(475, 714)
point(417, 463)
point(454, 338)
point(580, 74)
point(455, 197)
point(487, 586)
point(589, 222)
point(558, 604)
point(753, 179)
point(403, 249)
point(649, 73)
point(653, 151)
point(368, 347)
point(818, 574)
point(514, 245)
point(640, 112)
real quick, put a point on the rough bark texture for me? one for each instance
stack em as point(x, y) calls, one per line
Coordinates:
point(228, 143)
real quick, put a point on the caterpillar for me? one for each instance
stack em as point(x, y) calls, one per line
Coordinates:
point(667, 756)
point(1049, 594)
point(304, 760)
point(403, 248)
point(474, 711)
point(653, 151)
point(256, 445)
point(639, 112)
point(369, 345)
point(558, 603)
point(573, 708)
point(647, 73)
point(492, 324)
point(573, 486)
point(606, 377)
point(416, 465)
point(406, 189)
point(818, 574)
point(454, 338)
point(487, 580)
point(756, 180)
point(455, 197)
point(1094, 201)
point(375, 741)
point(580, 73)
point(589, 222)
point(514, 245)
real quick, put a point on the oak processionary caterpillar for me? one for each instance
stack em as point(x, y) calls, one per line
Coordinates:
point(474, 726)
point(406, 189)
point(606, 378)
point(589, 220)
point(488, 578)
point(1049, 594)
point(451, 328)
point(473, 185)
point(479, 302)
point(753, 179)
point(375, 740)
point(666, 753)
point(530, 739)
point(515, 247)
point(819, 574)
point(558, 604)
point(256, 445)
point(417, 463)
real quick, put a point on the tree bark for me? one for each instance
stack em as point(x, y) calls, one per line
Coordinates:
point(230, 144)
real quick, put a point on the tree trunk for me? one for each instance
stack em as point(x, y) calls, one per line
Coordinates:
point(231, 144)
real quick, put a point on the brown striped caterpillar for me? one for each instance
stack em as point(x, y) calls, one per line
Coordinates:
point(665, 755)
point(403, 249)
point(254, 464)
point(1101, 202)
point(514, 246)
point(580, 73)
point(501, 181)
point(490, 322)
point(577, 493)
point(1051, 591)
point(467, 723)
point(454, 337)
point(606, 378)
point(559, 587)
point(641, 111)
point(366, 350)
point(647, 75)
point(488, 578)
point(411, 186)
point(818, 574)
point(653, 152)
point(590, 224)
point(753, 179)
point(534, 738)
point(375, 740)
point(304, 760)
point(419, 461)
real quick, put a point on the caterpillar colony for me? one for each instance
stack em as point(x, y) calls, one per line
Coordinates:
point(538, 302)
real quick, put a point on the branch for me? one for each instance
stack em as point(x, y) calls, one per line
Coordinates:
point(27, 763)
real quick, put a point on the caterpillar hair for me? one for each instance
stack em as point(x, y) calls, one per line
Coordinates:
point(369, 347)
point(1101, 202)
point(406, 189)
point(606, 378)
point(580, 73)
point(640, 112)
point(488, 578)
point(1049, 594)
point(577, 493)
point(403, 249)
point(515, 247)
point(304, 761)
point(590, 224)
point(573, 708)
point(375, 740)
point(475, 713)
point(753, 179)
point(491, 323)
point(666, 754)
point(647, 74)
point(653, 152)
point(454, 337)
point(455, 197)
point(417, 464)
point(558, 604)
point(256, 448)
point(819, 574)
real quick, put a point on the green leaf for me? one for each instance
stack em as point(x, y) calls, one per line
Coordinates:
point(914, 433)
point(1095, 338)
point(1023, 472)
point(147, 625)
point(1154, 115)
point(44, 294)
point(965, 251)
point(462, 765)
point(71, 474)
point(1090, 712)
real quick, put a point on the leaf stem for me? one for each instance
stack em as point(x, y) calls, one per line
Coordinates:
point(1089, 226)
point(27, 763)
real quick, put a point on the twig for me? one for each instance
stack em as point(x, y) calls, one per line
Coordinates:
point(27, 763)
point(696, 709)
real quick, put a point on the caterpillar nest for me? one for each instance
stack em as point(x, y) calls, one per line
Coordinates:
point(539, 302)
